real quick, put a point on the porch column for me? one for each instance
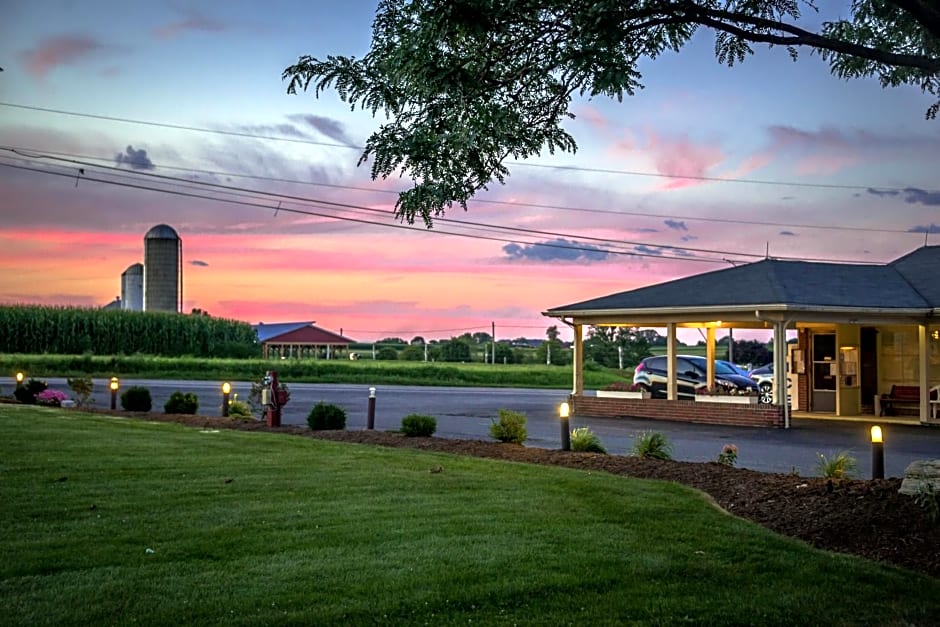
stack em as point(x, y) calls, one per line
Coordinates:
point(780, 370)
point(328, 351)
point(577, 384)
point(672, 385)
point(923, 379)
point(710, 357)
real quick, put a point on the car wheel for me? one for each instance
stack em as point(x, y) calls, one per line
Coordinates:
point(766, 394)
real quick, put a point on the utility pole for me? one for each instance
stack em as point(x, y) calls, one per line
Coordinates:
point(493, 337)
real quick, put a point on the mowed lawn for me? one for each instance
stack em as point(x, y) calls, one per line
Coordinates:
point(109, 520)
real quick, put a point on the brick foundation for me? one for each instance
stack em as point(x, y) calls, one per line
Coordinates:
point(679, 411)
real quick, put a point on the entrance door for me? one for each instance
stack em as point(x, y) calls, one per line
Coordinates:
point(868, 368)
point(824, 373)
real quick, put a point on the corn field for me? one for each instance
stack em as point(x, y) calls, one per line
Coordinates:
point(72, 330)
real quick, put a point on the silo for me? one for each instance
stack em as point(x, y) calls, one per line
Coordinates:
point(162, 269)
point(132, 288)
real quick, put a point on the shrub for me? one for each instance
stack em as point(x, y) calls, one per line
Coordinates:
point(418, 425)
point(27, 392)
point(181, 403)
point(51, 398)
point(239, 409)
point(728, 455)
point(926, 497)
point(510, 427)
point(651, 444)
point(82, 387)
point(586, 441)
point(136, 398)
point(386, 353)
point(839, 466)
point(326, 416)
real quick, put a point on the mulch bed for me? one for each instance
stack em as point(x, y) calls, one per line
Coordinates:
point(866, 518)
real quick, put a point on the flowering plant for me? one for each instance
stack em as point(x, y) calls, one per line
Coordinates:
point(623, 386)
point(723, 390)
point(728, 455)
point(51, 398)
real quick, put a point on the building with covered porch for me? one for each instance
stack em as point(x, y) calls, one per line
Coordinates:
point(299, 340)
point(868, 337)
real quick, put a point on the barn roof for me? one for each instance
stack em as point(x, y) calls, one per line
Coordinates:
point(297, 333)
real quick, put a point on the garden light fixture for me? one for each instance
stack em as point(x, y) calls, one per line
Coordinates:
point(877, 453)
point(564, 410)
point(19, 378)
point(114, 385)
point(226, 391)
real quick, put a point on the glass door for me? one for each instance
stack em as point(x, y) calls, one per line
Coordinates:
point(825, 373)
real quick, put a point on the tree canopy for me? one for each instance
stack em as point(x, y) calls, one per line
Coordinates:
point(464, 85)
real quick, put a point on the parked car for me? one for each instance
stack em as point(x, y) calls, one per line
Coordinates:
point(691, 375)
point(737, 369)
point(765, 383)
point(766, 369)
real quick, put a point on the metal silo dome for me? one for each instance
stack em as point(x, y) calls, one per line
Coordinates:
point(163, 270)
point(132, 288)
point(162, 231)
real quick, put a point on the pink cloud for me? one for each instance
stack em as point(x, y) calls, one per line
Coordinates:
point(56, 51)
point(593, 117)
point(673, 157)
point(198, 23)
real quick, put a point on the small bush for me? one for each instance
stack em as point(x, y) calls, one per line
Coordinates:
point(387, 353)
point(181, 403)
point(418, 426)
point(927, 498)
point(82, 387)
point(136, 398)
point(326, 416)
point(239, 409)
point(510, 427)
point(839, 466)
point(51, 398)
point(27, 392)
point(653, 445)
point(728, 455)
point(586, 441)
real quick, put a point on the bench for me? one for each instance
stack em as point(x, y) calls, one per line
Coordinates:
point(908, 396)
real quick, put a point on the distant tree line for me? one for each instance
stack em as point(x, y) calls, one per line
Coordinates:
point(73, 330)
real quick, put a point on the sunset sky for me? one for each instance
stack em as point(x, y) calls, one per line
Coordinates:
point(812, 168)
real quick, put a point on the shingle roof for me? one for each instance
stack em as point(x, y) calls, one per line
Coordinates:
point(298, 333)
point(906, 283)
point(267, 331)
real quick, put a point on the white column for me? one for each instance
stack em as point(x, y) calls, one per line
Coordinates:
point(577, 384)
point(672, 385)
point(710, 357)
point(780, 370)
point(923, 367)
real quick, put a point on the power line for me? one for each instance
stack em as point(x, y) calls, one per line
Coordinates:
point(87, 177)
point(493, 202)
point(198, 129)
point(461, 223)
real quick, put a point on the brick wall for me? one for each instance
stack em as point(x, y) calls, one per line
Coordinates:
point(680, 411)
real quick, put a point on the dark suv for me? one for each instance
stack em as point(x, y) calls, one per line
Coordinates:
point(691, 375)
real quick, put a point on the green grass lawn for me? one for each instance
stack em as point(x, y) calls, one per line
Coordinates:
point(109, 520)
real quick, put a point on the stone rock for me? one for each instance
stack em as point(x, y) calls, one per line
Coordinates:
point(67, 403)
point(920, 474)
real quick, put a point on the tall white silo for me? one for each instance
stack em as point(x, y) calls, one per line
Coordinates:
point(132, 288)
point(163, 270)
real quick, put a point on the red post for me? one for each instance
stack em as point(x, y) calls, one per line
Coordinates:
point(273, 408)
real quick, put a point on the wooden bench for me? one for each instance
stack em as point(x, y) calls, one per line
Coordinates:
point(907, 396)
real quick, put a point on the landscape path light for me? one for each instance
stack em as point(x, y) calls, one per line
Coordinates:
point(114, 385)
point(370, 423)
point(877, 453)
point(226, 392)
point(564, 410)
point(19, 379)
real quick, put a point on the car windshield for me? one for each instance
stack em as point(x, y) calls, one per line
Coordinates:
point(720, 368)
point(723, 368)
